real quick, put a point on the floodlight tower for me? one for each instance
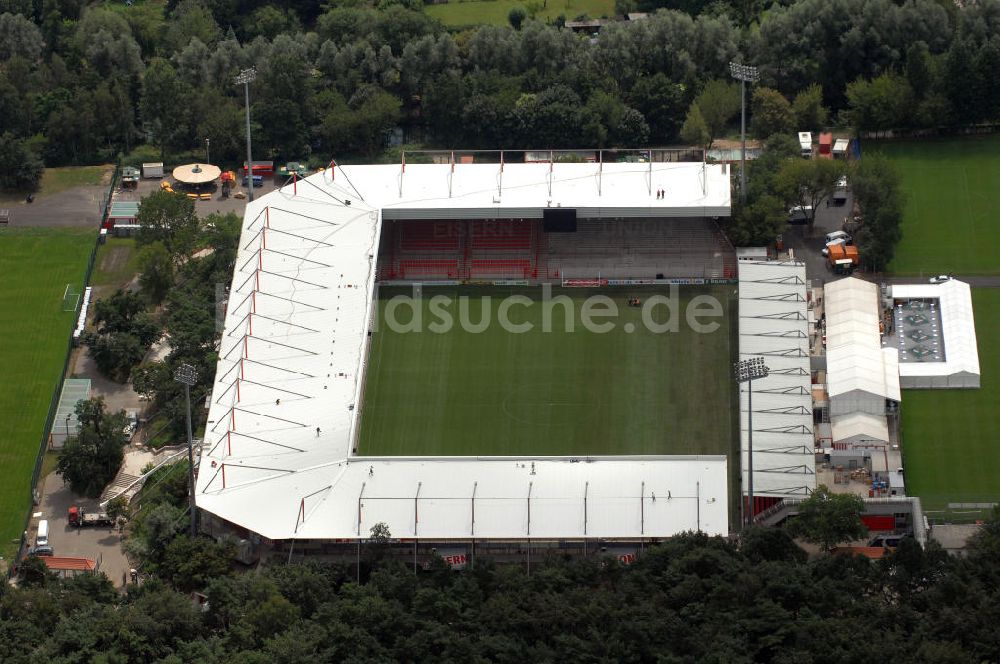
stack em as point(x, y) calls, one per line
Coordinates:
point(747, 371)
point(744, 74)
point(188, 376)
point(245, 78)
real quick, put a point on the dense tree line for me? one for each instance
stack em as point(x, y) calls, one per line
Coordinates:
point(690, 599)
point(81, 82)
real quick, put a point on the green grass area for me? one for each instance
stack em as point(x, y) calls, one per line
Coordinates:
point(116, 263)
point(949, 445)
point(36, 265)
point(55, 180)
point(950, 222)
point(494, 12)
point(496, 392)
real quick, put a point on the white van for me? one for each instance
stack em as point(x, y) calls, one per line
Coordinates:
point(42, 538)
point(836, 236)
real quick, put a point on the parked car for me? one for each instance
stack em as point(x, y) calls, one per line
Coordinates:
point(826, 249)
point(889, 541)
point(940, 279)
point(41, 551)
point(838, 235)
point(799, 214)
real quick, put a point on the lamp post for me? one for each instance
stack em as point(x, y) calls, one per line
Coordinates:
point(68, 415)
point(744, 74)
point(188, 376)
point(208, 152)
point(747, 371)
point(246, 77)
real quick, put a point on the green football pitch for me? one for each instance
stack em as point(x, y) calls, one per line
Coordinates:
point(36, 265)
point(635, 389)
point(950, 223)
point(949, 442)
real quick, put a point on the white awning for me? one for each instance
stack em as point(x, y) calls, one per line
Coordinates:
point(858, 427)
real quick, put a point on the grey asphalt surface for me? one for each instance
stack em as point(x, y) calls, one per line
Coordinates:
point(77, 207)
point(99, 544)
point(808, 245)
point(80, 207)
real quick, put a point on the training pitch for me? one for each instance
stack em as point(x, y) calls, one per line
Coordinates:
point(34, 330)
point(949, 442)
point(949, 223)
point(629, 390)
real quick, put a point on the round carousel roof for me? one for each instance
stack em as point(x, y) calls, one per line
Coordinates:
point(196, 173)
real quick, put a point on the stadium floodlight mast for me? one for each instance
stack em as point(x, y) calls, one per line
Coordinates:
point(245, 78)
point(188, 376)
point(747, 371)
point(743, 74)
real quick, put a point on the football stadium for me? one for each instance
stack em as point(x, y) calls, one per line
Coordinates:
point(479, 355)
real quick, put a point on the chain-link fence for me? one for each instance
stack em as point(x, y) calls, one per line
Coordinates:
point(946, 508)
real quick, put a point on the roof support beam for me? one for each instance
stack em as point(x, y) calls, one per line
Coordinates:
point(475, 486)
point(360, 495)
point(642, 509)
point(416, 513)
point(530, 485)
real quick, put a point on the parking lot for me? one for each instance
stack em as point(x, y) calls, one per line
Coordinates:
point(100, 544)
point(808, 245)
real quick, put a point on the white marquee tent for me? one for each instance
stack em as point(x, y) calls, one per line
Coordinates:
point(861, 375)
point(960, 368)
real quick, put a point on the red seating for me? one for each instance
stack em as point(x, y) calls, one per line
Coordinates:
point(444, 269)
point(429, 236)
point(500, 235)
point(519, 268)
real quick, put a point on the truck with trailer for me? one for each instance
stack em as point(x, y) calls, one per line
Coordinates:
point(81, 518)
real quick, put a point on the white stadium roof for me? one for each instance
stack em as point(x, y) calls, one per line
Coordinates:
point(958, 326)
point(774, 325)
point(277, 456)
point(490, 191)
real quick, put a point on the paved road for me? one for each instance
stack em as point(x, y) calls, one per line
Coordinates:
point(99, 544)
point(217, 204)
point(81, 206)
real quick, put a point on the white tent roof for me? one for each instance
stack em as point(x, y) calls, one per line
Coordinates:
point(860, 426)
point(855, 360)
point(277, 457)
point(958, 326)
point(774, 325)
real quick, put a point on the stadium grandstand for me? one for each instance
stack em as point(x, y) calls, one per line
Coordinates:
point(284, 463)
